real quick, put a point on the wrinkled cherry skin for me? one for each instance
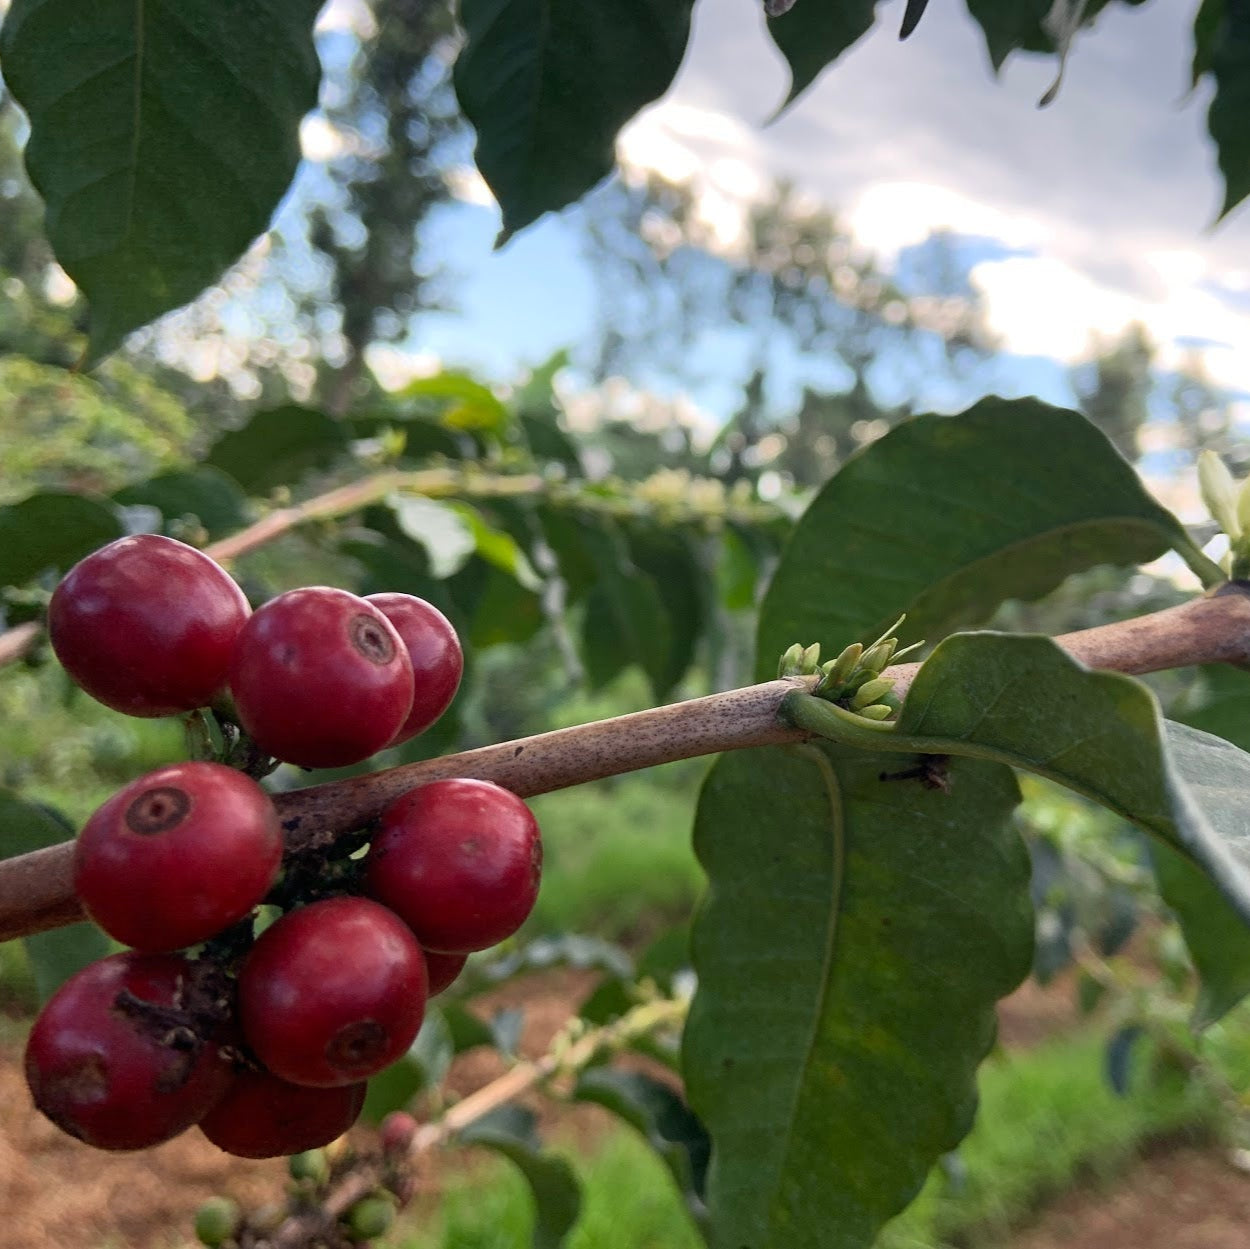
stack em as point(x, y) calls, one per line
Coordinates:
point(321, 678)
point(434, 650)
point(264, 1117)
point(332, 993)
point(103, 1075)
point(441, 970)
point(178, 855)
point(147, 625)
point(459, 861)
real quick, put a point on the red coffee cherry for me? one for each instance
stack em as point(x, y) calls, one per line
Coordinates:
point(397, 1131)
point(442, 969)
point(459, 861)
point(332, 993)
point(178, 855)
point(321, 678)
point(146, 625)
point(433, 648)
point(264, 1117)
point(117, 1078)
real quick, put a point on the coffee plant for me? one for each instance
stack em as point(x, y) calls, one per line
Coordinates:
point(869, 893)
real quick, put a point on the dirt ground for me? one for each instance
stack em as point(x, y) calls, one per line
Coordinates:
point(58, 1194)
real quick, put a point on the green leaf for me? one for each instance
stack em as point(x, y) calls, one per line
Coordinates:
point(1019, 25)
point(548, 83)
point(278, 446)
point(441, 529)
point(1207, 23)
point(1220, 704)
point(52, 532)
point(557, 1195)
point(737, 570)
point(670, 1127)
point(848, 965)
point(625, 621)
point(498, 547)
point(946, 517)
point(1226, 120)
point(470, 406)
point(205, 493)
point(162, 138)
point(498, 608)
point(57, 955)
point(670, 559)
point(814, 33)
point(1023, 701)
point(54, 956)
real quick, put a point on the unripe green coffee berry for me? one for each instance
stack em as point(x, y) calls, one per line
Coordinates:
point(312, 1165)
point(216, 1221)
point(370, 1217)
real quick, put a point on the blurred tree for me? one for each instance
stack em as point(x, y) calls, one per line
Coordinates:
point(827, 347)
point(1113, 389)
point(399, 124)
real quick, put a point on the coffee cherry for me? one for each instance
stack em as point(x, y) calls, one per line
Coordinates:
point(321, 678)
point(216, 1221)
point(459, 861)
point(146, 625)
point(262, 1116)
point(397, 1132)
point(178, 855)
point(370, 1217)
point(433, 648)
point(332, 993)
point(108, 1062)
point(442, 969)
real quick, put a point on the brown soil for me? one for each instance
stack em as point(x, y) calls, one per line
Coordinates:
point(1185, 1198)
point(58, 1194)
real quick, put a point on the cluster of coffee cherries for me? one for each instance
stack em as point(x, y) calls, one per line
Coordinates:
point(266, 1041)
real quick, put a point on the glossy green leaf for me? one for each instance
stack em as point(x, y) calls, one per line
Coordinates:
point(1226, 120)
point(51, 532)
point(812, 35)
point(855, 937)
point(1023, 701)
point(497, 607)
point(162, 138)
point(278, 446)
point(553, 1184)
point(657, 1111)
point(548, 83)
point(206, 494)
point(946, 517)
point(737, 571)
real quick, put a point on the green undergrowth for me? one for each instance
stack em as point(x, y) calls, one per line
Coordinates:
point(1048, 1121)
point(617, 856)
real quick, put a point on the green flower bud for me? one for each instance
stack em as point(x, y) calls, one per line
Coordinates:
point(810, 660)
point(870, 692)
point(216, 1221)
point(878, 711)
point(878, 655)
point(789, 663)
point(837, 670)
point(1220, 494)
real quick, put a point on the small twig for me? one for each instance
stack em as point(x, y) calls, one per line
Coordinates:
point(564, 1056)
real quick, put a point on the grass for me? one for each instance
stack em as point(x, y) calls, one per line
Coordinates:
point(1047, 1121)
point(617, 859)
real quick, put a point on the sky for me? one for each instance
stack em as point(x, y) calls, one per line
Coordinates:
point(1081, 217)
